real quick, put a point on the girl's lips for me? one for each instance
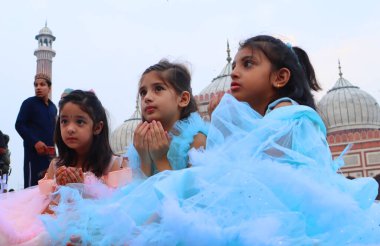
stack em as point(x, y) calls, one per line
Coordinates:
point(235, 86)
point(150, 109)
point(71, 139)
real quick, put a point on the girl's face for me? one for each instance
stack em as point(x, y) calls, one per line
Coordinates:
point(252, 80)
point(77, 128)
point(159, 100)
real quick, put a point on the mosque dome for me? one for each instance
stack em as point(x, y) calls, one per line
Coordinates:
point(220, 84)
point(46, 30)
point(122, 136)
point(347, 107)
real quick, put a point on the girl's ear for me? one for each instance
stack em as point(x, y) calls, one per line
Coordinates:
point(98, 128)
point(281, 77)
point(184, 99)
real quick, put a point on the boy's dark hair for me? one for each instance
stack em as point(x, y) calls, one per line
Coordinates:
point(179, 78)
point(43, 76)
point(100, 153)
point(302, 75)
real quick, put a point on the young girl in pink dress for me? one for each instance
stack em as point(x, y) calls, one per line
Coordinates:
point(85, 162)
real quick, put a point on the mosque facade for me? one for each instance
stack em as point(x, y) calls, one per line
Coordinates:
point(352, 116)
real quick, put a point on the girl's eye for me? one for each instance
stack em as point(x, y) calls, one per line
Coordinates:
point(142, 93)
point(63, 121)
point(80, 122)
point(248, 63)
point(159, 88)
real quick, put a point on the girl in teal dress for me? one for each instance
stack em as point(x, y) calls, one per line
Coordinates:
point(170, 124)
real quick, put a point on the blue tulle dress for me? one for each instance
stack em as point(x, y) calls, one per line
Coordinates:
point(261, 181)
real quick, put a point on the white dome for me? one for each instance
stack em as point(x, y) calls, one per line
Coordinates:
point(346, 107)
point(220, 83)
point(122, 136)
point(46, 30)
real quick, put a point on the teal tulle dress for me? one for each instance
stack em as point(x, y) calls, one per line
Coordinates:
point(262, 180)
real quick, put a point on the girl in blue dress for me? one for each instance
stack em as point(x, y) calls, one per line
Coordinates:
point(170, 124)
point(266, 177)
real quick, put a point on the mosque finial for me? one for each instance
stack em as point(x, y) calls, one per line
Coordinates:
point(46, 23)
point(228, 52)
point(340, 69)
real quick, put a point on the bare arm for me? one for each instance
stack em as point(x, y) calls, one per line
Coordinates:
point(51, 170)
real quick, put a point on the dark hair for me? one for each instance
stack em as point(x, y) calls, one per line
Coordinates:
point(302, 75)
point(179, 78)
point(100, 153)
point(43, 76)
point(377, 178)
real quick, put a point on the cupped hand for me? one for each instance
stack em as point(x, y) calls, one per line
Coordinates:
point(61, 176)
point(140, 141)
point(158, 141)
point(74, 175)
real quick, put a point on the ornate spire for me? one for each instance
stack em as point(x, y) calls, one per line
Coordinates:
point(228, 52)
point(340, 69)
point(46, 23)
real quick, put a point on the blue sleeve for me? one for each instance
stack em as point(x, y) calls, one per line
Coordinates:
point(23, 122)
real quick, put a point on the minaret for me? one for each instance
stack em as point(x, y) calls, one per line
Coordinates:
point(228, 52)
point(45, 52)
point(340, 69)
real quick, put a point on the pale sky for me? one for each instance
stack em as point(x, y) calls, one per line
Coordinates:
point(106, 45)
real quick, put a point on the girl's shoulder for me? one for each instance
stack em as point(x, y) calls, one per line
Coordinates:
point(191, 125)
point(284, 101)
point(293, 111)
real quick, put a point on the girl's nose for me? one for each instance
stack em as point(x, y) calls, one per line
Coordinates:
point(234, 73)
point(148, 97)
point(70, 129)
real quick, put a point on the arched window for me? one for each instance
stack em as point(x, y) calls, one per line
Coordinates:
point(331, 139)
point(338, 139)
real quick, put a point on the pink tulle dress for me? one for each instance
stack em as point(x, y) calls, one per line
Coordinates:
point(20, 210)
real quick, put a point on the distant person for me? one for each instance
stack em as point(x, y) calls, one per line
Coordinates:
point(4, 139)
point(35, 123)
point(66, 92)
point(4, 157)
